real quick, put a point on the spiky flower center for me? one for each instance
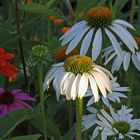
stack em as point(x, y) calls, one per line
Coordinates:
point(122, 126)
point(99, 17)
point(6, 98)
point(78, 64)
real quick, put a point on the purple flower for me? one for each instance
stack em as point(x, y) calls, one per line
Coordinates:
point(13, 100)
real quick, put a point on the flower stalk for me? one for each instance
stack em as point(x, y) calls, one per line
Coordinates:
point(133, 3)
point(40, 79)
point(79, 109)
point(19, 41)
point(131, 81)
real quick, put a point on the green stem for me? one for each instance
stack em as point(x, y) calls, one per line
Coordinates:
point(131, 81)
point(132, 10)
point(40, 80)
point(79, 109)
point(70, 113)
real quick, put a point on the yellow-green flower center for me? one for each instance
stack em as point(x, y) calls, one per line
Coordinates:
point(99, 17)
point(78, 64)
point(122, 126)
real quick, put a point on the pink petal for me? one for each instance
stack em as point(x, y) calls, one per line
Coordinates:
point(2, 90)
point(24, 104)
point(23, 96)
point(15, 91)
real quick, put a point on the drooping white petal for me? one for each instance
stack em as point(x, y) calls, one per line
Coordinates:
point(64, 83)
point(69, 37)
point(88, 120)
point(138, 55)
point(105, 101)
point(125, 36)
point(95, 133)
point(56, 83)
point(114, 43)
point(126, 61)
point(124, 23)
point(113, 114)
point(136, 62)
point(99, 83)
point(105, 71)
point(91, 101)
point(116, 64)
point(73, 28)
point(75, 86)
point(76, 40)
point(110, 58)
point(94, 88)
point(107, 116)
point(86, 42)
point(82, 89)
point(50, 75)
point(92, 110)
point(104, 120)
point(68, 89)
point(97, 44)
point(105, 80)
point(102, 73)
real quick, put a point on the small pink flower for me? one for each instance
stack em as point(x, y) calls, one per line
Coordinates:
point(13, 100)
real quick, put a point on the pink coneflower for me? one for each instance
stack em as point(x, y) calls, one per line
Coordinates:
point(13, 100)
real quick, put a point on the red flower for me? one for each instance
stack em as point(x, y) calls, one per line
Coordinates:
point(6, 67)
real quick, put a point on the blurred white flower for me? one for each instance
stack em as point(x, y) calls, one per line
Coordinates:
point(113, 96)
point(128, 57)
point(117, 125)
point(90, 32)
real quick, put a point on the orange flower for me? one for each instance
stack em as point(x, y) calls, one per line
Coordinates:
point(60, 54)
point(58, 22)
point(6, 67)
point(137, 39)
point(65, 29)
point(52, 18)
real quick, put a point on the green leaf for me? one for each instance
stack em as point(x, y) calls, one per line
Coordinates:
point(29, 137)
point(52, 129)
point(101, 2)
point(36, 8)
point(69, 135)
point(10, 121)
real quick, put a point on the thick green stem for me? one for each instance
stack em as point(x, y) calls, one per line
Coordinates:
point(70, 113)
point(79, 109)
point(132, 10)
point(131, 81)
point(40, 80)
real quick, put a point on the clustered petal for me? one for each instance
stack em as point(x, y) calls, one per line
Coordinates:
point(69, 80)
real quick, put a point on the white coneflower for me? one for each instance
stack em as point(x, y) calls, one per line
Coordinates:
point(90, 31)
point(128, 57)
point(116, 125)
point(73, 77)
point(114, 96)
